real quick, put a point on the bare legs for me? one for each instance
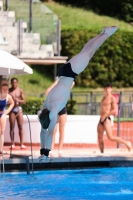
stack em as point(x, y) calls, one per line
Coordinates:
point(54, 134)
point(2, 130)
point(20, 127)
point(12, 120)
point(62, 121)
point(81, 60)
point(100, 131)
point(19, 118)
point(107, 127)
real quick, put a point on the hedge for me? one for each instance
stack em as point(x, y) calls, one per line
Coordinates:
point(112, 62)
point(124, 119)
point(33, 105)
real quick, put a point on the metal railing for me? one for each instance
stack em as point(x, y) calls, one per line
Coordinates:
point(23, 156)
point(2, 158)
point(94, 109)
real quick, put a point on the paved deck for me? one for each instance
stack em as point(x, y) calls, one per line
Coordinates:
point(71, 158)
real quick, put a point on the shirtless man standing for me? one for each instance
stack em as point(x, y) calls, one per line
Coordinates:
point(108, 107)
point(16, 113)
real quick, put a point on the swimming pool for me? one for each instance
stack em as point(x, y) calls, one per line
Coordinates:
point(79, 184)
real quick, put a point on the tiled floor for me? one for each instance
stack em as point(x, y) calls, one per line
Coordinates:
point(73, 152)
point(71, 157)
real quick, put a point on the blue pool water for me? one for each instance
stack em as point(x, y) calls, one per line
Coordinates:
point(90, 184)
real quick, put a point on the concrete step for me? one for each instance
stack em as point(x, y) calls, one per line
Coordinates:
point(31, 47)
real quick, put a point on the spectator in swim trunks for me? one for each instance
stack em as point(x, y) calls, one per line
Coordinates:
point(108, 108)
point(5, 100)
point(16, 113)
point(62, 118)
point(59, 95)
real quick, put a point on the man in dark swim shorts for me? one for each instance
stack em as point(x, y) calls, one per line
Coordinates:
point(106, 118)
point(108, 108)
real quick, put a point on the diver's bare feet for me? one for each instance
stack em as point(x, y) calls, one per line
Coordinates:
point(110, 30)
point(129, 146)
point(60, 153)
point(42, 157)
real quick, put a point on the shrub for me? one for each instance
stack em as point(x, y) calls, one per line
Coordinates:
point(112, 62)
point(33, 105)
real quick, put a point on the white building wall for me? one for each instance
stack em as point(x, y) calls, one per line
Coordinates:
point(78, 129)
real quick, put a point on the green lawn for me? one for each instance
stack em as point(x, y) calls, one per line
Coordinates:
point(80, 18)
point(74, 18)
point(70, 17)
point(34, 84)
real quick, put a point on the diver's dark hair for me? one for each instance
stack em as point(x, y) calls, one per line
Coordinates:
point(14, 79)
point(107, 85)
point(4, 84)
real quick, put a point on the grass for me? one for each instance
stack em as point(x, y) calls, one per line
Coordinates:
point(80, 18)
point(70, 17)
point(124, 119)
point(34, 84)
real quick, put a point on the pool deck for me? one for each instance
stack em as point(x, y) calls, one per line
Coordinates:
point(74, 157)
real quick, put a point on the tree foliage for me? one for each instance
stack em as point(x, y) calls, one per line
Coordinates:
point(121, 9)
point(113, 61)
